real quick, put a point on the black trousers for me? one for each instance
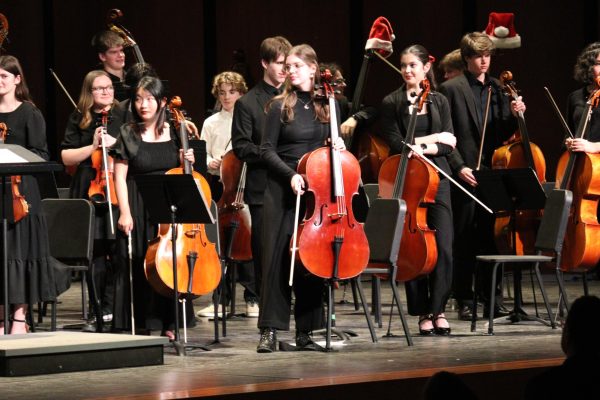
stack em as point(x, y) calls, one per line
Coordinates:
point(276, 294)
point(256, 216)
point(474, 235)
point(429, 294)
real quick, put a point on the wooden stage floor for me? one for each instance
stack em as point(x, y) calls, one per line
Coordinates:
point(493, 366)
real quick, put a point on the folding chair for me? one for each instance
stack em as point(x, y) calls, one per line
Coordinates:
point(71, 239)
point(383, 228)
point(549, 238)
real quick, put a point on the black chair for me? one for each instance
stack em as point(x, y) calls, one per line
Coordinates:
point(549, 238)
point(383, 228)
point(71, 239)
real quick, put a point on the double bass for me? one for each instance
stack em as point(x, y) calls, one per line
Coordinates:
point(516, 235)
point(331, 243)
point(20, 205)
point(416, 182)
point(191, 243)
point(235, 225)
point(580, 173)
point(113, 22)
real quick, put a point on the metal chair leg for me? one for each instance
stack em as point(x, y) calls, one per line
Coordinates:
point(361, 294)
point(543, 290)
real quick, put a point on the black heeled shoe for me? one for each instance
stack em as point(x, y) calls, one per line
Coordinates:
point(426, 332)
point(268, 341)
point(439, 330)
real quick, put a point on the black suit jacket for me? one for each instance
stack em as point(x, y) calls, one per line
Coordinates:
point(246, 135)
point(467, 127)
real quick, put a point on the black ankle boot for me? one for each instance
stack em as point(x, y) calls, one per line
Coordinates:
point(268, 340)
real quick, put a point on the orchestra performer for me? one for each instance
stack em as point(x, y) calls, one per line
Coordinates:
point(149, 145)
point(467, 95)
point(109, 46)
point(84, 135)
point(434, 138)
point(295, 124)
point(246, 133)
point(31, 269)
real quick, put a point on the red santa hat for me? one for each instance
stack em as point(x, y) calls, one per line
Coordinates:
point(501, 29)
point(381, 37)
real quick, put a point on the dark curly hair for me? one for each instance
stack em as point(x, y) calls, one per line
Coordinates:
point(585, 62)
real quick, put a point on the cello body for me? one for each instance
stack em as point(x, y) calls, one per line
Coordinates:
point(580, 249)
point(235, 225)
point(526, 222)
point(191, 238)
point(324, 220)
point(418, 250)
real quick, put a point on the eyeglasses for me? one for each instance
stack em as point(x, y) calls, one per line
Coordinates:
point(103, 89)
point(288, 67)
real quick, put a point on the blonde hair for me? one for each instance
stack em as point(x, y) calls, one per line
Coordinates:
point(234, 79)
point(86, 98)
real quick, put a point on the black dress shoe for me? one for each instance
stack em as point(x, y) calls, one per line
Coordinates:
point(439, 330)
point(425, 332)
point(304, 341)
point(268, 341)
point(465, 312)
point(499, 311)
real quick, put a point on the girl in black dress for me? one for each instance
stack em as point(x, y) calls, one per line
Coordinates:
point(426, 296)
point(147, 146)
point(295, 125)
point(83, 137)
point(30, 267)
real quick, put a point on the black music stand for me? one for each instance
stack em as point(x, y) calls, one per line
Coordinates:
point(174, 199)
point(15, 160)
point(512, 190)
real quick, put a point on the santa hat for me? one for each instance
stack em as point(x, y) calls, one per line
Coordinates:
point(501, 29)
point(381, 37)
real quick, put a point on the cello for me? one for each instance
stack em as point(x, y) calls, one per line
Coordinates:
point(580, 173)
point(331, 243)
point(191, 244)
point(416, 182)
point(20, 205)
point(234, 215)
point(517, 235)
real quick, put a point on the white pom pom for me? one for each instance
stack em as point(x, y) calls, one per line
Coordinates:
point(501, 31)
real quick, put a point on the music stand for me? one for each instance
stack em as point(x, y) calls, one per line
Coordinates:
point(174, 199)
point(15, 160)
point(512, 190)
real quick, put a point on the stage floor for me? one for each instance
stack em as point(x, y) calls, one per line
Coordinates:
point(493, 366)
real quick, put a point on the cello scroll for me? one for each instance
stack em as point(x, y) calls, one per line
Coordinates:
point(113, 19)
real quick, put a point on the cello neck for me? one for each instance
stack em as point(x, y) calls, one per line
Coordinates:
point(410, 139)
point(335, 154)
point(525, 140)
point(183, 136)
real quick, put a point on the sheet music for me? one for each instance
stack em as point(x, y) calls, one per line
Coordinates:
point(7, 156)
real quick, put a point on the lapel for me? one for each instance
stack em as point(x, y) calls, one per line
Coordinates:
point(469, 101)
